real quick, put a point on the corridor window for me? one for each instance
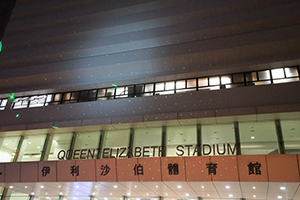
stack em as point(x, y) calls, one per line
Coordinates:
point(291, 136)
point(277, 73)
point(148, 137)
point(8, 147)
point(116, 139)
point(214, 80)
point(32, 148)
point(258, 138)
point(264, 75)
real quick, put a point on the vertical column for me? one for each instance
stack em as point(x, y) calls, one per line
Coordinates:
point(279, 137)
point(237, 138)
point(6, 194)
point(164, 142)
point(131, 142)
point(199, 198)
point(160, 198)
point(72, 145)
point(101, 144)
point(61, 197)
point(16, 158)
point(91, 198)
point(199, 139)
point(46, 147)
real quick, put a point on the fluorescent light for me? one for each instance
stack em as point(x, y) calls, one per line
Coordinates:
point(282, 188)
point(178, 186)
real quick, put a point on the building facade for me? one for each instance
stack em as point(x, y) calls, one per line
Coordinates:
point(124, 80)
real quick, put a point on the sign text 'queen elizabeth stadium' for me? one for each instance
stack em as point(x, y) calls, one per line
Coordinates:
point(148, 151)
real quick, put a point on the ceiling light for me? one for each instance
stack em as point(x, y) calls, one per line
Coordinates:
point(207, 195)
point(282, 188)
point(42, 186)
point(178, 186)
point(279, 197)
point(230, 195)
point(252, 137)
point(61, 193)
point(25, 186)
point(32, 193)
point(227, 187)
point(46, 193)
point(128, 193)
point(166, 194)
point(77, 186)
point(29, 142)
point(254, 187)
point(11, 186)
point(59, 186)
point(115, 186)
point(110, 193)
point(6, 144)
point(187, 194)
point(96, 186)
point(202, 186)
point(156, 186)
point(147, 193)
point(254, 196)
point(135, 186)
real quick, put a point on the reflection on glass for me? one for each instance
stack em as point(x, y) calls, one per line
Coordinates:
point(264, 75)
point(277, 73)
point(191, 83)
point(214, 80)
point(180, 84)
point(225, 79)
point(202, 82)
point(116, 139)
point(150, 137)
point(32, 147)
point(238, 78)
point(170, 85)
point(291, 136)
point(181, 135)
point(286, 80)
point(8, 147)
point(258, 138)
point(159, 86)
point(291, 72)
point(218, 137)
point(59, 142)
point(149, 87)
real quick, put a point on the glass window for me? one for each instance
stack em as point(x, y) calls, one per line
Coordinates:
point(57, 97)
point(291, 72)
point(202, 82)
point(291, 136)
point(218, 139)
point(101, 92)
point(115, 140)
point(262, 82)
point(122, 91)
point(139, 89)
point(180, 84)
point(264, 75)
point(3, 103)
point(8, 147)
point(92, 94)
point(150, 137)
point(277, 73)
point(181, 135)
point(214, 80)
point(110, 93)
point(238, 78)
point(67, 96)
point(258, 138)
point(149, 87)
point(32, 147)
point(286, 80)
point(159, 86)
point(225, 79)
point(191, 83)
point(170, 85)
point(87, 140)
point(59, 142)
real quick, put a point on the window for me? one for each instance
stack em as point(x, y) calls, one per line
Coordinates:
point(181, 135)
point(291, 72)
point(32, 148)
point(116, 139)
point(258, 138)
point(277, 73)
point(8, 147)
point(202, 82)
point(214, 80)
point(216, 138)
point(3, 103)
point(264, 75)
point(159, 86)
point(59, 142)
point(291, 136)
point(150, 137)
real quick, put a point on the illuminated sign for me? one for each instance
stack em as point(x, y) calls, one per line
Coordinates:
point(148, 151)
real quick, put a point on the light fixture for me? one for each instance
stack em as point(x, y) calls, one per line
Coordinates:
point(230, 195)
point(32, 193)
point(59, 186)
point(128, 194)
point(254, 187)
point(135, 186)
point(202, 186)
point(252, 137)
point(110, 193)
point(11, 187)
point(166, 194)
point(282, 188)
point(115, 186)
point(96, 186)
point(178, 186)
point(279, 197)
point(42, 186)
point(77, 186)
point(254, 196)
point(156, 186)
point(187, 194)
point(147, 193)
point(227, 187)
point(6, 144)
point(61, 193)
point(38, 147)
point(207, 195)
point(46, 193)
point(29, 142)
point(25, 186)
